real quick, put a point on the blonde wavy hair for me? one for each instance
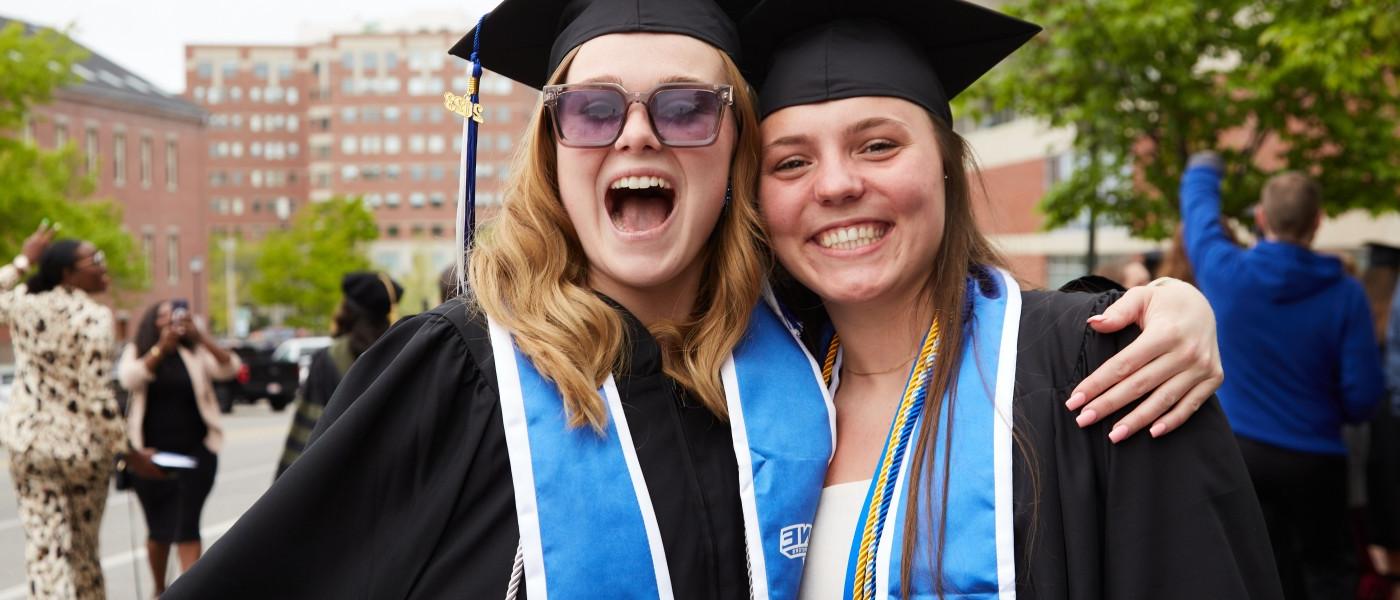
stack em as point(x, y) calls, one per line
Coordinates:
point(530, 274)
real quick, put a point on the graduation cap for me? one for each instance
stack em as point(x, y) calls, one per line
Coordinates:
point(372, 290)
point(923, 51)
point(526, 40)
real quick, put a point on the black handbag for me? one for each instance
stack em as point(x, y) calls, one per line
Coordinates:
point(121, 478)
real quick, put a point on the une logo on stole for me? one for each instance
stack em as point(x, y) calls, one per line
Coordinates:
point(793, 540)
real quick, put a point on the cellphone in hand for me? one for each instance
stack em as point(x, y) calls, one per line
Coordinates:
point(179, 308)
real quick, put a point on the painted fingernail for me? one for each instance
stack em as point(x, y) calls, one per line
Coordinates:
point(1157, 430)
point(1087, 417)
point(1096, 318)
point(1075, 400)
point(1119, 432)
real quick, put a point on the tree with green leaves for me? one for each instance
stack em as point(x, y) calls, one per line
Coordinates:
point(1308, 84)
point(38, 184)
point(300, 268)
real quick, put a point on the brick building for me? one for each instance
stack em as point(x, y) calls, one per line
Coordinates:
point(354, 115)
point(140, 146)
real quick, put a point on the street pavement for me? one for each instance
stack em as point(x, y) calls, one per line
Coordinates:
point(253, 438)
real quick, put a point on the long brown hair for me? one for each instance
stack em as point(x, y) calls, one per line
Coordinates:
point(962, 256)
point(529, 272)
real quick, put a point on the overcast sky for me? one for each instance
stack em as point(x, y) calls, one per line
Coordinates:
point(149, 36)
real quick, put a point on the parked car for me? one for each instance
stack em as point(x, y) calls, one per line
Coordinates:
point(261, 376)
point(299, 351)
point(7, 380)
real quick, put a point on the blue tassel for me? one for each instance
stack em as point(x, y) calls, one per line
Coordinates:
point(469, 220)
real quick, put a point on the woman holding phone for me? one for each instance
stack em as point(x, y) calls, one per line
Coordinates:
point(169, 370)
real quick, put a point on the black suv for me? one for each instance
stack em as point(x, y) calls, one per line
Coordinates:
point(260, 377)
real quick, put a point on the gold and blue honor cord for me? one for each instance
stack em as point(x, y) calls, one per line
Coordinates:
point(906, 418)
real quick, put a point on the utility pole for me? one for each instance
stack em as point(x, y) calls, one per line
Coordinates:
point(230, 245)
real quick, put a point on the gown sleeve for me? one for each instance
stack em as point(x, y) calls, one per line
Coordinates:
point(403, 492)
point(1172, 517)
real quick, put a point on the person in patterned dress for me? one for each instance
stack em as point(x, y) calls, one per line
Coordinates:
point(62, 429)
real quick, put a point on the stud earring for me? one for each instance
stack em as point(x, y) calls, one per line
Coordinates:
point(728, 194)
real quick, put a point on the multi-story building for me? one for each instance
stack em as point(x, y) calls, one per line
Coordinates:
point(140, 145)
point(256, 144)
point(355, 115)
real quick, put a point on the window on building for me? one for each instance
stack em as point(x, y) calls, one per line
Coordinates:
point(504, 142)
point(373, 200)
point(172, 259)
point(435, 114)
point(293, 123)
point(60, 135)
point(119, 158)
point(437, 230)
point(348, 114)
point(321, 151)
point(215, 96)
point(273, 93)
point(349, 173)
point(260, 70)
point(347, 86)
point(237, 149)
point(204, 69)
point(256, 179)
point(391, 199)
point(148, 251)
point(435, 199)
point(348, 144)
point(293, 149)
point(255, 94)
point(391, 231)
point(369, 144)
point(147, 157)
point(417, 229)
point(172, 164)
point(292, 95)
point(391, 61)
point(236, 120)
point(199, 93)
point(436, 172)
point(323, 180)
point(347, 60)
point(257, 206)
point(237, 206)
point(392, 145)
point(369, 172)
point(370, 60)
point(436, 144)
point(417, 199)
point(417, 172)
point(230, 70)
point(90, 151)
point(235, 93)
point(416, 144)
point(415, 114)
point(284, 71)
point(391, 172)
point(391, 114)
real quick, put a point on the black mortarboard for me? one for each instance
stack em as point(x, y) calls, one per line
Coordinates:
point(526, 40)
point(924, 51)
point(376, 292)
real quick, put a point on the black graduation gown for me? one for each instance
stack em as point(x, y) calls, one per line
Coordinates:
point(1168, 518)
point(405, 490)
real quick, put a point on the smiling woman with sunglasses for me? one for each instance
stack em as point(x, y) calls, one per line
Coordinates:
point(61, 429)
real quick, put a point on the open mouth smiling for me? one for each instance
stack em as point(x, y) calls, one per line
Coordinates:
point(641, 203)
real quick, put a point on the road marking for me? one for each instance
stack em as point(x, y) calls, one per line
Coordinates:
point(210, 534)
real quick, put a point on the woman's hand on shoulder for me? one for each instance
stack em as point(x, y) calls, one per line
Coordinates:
point(1176, 359)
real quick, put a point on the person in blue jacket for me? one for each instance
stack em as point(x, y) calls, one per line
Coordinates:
point(1300, 357)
